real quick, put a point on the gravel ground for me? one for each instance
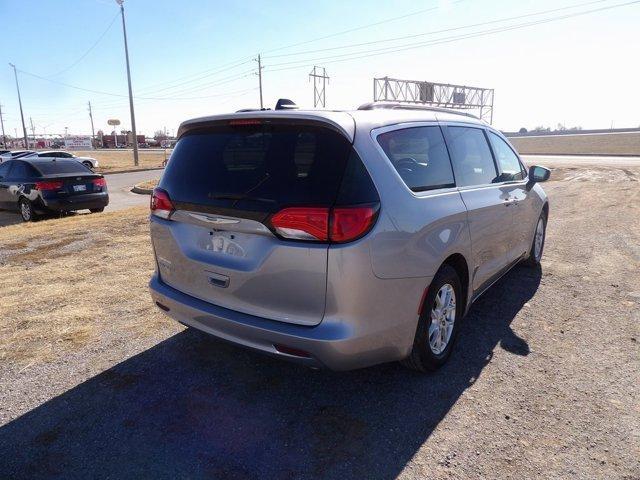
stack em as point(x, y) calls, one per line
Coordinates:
point(543, 383)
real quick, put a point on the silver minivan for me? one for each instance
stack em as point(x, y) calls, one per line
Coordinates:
point(341, 239)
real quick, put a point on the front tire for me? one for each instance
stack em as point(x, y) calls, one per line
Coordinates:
point(537, 245)
point(26, 210)
point(96, 210)
point(438, 323)
point(89, 165)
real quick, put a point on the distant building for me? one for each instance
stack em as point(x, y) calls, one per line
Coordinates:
point(108, 141)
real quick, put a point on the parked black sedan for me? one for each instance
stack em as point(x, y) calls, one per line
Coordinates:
point(35, 186)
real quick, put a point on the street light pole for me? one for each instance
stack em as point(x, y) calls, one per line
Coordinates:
point(24, 127)
point(133, 117)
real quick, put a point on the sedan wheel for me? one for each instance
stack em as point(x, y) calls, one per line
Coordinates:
point(26, 210)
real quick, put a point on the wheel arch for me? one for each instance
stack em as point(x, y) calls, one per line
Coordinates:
point(458, 262)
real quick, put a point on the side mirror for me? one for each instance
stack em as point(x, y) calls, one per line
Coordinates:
point(538, 174)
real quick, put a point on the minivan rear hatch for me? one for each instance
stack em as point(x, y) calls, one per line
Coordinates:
point(225, 181)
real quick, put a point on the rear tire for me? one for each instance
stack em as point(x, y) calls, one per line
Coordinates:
point(537, 245)
point(89, 165)
point(96, 210)
point(438, 323)
point(26, 210)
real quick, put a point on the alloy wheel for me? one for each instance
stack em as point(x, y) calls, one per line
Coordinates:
point(443, 316)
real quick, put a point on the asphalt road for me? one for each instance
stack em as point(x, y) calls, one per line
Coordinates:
point(120, 195)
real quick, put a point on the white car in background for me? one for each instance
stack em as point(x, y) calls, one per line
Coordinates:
point(56, 154)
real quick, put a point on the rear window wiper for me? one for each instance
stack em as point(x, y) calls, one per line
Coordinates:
point(245, 195)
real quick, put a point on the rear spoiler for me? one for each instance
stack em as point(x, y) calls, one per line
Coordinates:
point(340, 122)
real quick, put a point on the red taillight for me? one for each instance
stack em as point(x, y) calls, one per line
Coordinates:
point(339, 224)
point(99, 182)
point(349, 223)
point(302, 223)
point(161, 205)
point(54, 185)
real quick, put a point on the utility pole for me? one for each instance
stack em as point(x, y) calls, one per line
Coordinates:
point(93, 135)
point(4, 137)
point(33, 132)
point(24, 128)
point(259, 60)
point(133, 117)
point(319, 88)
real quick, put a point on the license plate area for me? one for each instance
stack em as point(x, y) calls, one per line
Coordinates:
point(79, 188)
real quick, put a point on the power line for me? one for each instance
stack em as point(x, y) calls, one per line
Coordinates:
point(362, 27)
point(395, 49)
point(199, 77)
point(111, 94)
point(90, 48)
point(433, 32)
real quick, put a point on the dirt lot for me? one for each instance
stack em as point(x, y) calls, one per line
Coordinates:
point(543, 383)
point(118, 160)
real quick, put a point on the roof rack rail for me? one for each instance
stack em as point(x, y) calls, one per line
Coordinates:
point(405, 106)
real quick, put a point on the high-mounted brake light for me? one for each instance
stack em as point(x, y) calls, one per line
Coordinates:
point(245, 121)
point(337, 225)
point(161, 205)
point(51, 185)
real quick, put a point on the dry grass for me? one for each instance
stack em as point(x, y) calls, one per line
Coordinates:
point(68, 282)
point(115, 160)
point(149, 184)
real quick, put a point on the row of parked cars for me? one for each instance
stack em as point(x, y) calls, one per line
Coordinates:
point(40, 183)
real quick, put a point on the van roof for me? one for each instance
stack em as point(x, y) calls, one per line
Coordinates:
point(346, 120)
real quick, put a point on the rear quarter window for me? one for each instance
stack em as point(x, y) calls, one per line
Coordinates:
point(420, 157)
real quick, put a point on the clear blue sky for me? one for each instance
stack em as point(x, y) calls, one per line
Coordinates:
point(577, 71)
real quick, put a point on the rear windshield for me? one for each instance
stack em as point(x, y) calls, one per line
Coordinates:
point(61, 166)
point(257, 167)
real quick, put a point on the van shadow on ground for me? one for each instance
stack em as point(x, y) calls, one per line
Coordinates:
point(192, 407)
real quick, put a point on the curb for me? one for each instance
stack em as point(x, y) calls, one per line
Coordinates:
point(133, 170)
point(141, 191)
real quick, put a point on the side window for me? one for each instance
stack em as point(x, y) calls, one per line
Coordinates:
point(508, 162)
point(62, 155)
point(19, 170)
point(4, 169)
point(45, 155)
point(420, 156)
point(472, 157)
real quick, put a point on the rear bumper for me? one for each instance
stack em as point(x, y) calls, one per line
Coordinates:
point(78, 202)
point(330, 344)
